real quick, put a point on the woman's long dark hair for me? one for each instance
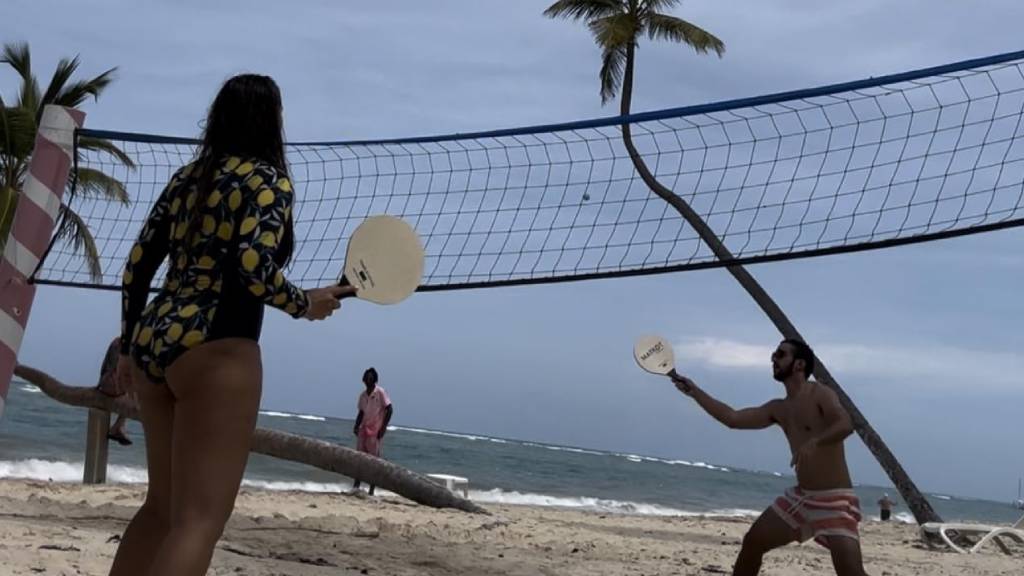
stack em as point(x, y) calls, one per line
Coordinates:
point(244, 120)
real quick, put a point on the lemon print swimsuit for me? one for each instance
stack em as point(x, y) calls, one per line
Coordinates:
point(216, 287)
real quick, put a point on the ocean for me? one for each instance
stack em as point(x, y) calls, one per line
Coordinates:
point(43, 440)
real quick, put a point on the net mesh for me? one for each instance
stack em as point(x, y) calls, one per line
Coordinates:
point(906, 158)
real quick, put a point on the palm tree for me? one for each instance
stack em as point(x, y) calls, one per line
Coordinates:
point(617, 26)
point(18, 126)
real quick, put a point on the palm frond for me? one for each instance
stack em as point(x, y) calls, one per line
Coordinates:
point(72, 229)
point(612, 66)
point(18, 127)
point(6, 160)
point(17, 137)
point(74, 94)
point(17, 133)
point(8, 203)
point(101, 145)
point(614, 31)
point(65, 69)
point(584, 9)
point(30, 95)
point(613, 34)
point(91, 183)
point(19, 57)
point(655, 6)
point(664, 27)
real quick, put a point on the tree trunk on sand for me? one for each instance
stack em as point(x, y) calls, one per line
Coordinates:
point(916, 502)
point(292, 447)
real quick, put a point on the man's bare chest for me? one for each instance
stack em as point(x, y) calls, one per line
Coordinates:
point(801, 417)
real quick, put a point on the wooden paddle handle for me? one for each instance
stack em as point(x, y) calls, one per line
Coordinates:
point(675, 376)
point(344, 282)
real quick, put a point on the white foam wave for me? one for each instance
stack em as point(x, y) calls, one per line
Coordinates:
point(30, 389)
point(497, 496)
point(297, 486)
point(564, 449)
point(34, 469)
point(710, 467)
point(289, 415)
point(638, 458)
point(59, 471)
point(449, 434)
point(901, 517)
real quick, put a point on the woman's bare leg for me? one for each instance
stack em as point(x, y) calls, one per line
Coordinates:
point(217, 388)
point(148, 528)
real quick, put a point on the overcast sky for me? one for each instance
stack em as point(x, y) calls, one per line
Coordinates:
point(925, 339)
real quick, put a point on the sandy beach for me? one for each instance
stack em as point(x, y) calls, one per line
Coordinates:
point(65, 529)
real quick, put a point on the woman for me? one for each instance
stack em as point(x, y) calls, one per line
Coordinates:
point(224, 222)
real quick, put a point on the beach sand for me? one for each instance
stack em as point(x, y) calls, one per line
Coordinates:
point(65, 529)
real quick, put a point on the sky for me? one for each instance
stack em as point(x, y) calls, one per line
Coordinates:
point(925, 339)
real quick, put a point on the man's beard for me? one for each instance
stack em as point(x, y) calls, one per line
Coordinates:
point(783, 373)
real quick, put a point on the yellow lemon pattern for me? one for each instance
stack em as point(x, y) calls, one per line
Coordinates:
point(225, 250)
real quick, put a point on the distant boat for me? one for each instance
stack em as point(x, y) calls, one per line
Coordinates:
point(1019, 504)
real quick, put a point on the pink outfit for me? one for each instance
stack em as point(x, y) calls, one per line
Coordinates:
point(369, 444)
point(373, 408)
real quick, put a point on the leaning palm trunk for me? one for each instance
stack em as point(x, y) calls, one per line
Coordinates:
point(916, 502)
point(293, 447)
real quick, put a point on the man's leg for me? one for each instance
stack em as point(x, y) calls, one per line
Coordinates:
point(116, 431)
point(846, 557)
point(770, 531)
point(360, 447)
point(373, 446)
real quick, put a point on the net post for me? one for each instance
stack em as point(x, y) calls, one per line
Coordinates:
point(35, 216)
point(96, 447)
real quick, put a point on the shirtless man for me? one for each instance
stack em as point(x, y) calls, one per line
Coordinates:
point(823, 504)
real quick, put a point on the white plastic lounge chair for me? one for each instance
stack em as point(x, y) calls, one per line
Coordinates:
point(452, 483)
point(988, 533)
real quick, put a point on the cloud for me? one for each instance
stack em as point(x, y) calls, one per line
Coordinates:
point(922, 365)
point(722, 353)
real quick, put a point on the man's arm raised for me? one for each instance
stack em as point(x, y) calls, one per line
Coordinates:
point(745, 419)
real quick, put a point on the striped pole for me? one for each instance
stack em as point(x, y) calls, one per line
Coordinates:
point(34, 219)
